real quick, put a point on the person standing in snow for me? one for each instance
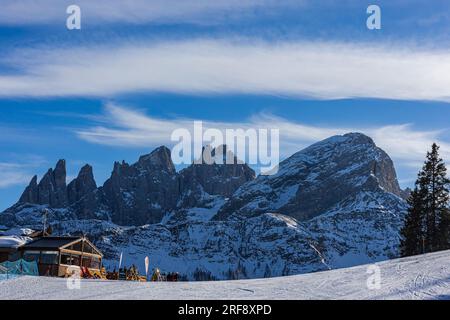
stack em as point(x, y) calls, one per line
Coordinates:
point(156, 275)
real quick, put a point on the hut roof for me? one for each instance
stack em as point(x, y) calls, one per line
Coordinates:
point(50, 242)
point(56, 243)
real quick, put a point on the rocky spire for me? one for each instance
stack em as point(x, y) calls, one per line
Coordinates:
point(82, 185)
point(213, 175)
point(30, 194)
point(158, 158)
point(60, 174)
point(307, 184)
point(144, 191)
point(59, 177)
point(52, 189)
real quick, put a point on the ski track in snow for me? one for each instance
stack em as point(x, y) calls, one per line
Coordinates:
point(419, 277)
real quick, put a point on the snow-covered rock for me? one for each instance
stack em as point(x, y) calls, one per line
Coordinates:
point(317, 178)
point(334, 204)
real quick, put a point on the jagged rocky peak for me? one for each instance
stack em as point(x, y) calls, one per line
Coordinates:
point(345, 186)
point(307, 184)
point(82, 185)
point(313, 180)
point(352, 153)
point(144, 191)
point(383, 167)
point(215, 176)
point(29, 195)
point(225, 160)
point(84, 197)
point(86, 172)
point(59, 174)
point(159, 158)
point(218, 155)
point(119, 167)
point(51, 190)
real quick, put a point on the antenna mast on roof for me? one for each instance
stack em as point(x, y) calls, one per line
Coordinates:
point(44, 218)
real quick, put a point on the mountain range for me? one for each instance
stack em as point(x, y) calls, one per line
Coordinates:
point(334, 204)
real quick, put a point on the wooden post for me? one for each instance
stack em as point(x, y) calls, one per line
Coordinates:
point(44, 232)
point(82, 251)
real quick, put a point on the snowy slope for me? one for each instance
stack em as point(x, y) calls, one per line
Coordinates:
point(419, 277)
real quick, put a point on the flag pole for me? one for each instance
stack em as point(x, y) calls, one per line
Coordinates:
point(120, 260)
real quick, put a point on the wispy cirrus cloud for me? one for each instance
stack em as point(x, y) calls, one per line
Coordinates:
point(32, 12)
point(12, 174)
point(322, 70)
point(125, 127)
point(18, 169)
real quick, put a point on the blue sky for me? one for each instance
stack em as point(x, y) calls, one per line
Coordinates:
point(309, 68)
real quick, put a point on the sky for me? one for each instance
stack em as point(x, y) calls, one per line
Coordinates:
point(137, 70)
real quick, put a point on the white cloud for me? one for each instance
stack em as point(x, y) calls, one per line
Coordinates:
point(12, 174)
point(126, 127)
point(319, 70)
point(403, 142)
point(17, 169)
point(29, 12)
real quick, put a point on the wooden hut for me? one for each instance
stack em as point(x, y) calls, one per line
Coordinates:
point(62, 256)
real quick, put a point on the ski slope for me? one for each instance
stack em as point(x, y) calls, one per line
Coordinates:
point(420, 277)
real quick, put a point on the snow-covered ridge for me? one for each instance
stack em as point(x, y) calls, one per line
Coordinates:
point(334, 204)
point(315, 179)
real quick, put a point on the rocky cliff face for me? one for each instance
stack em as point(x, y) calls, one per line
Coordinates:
point(83, 195)
point(334, 204)
point(317, 178)
point(139, 193)
point(30, 194)
point(83, 185)
point(214, 178)
point(51, 190)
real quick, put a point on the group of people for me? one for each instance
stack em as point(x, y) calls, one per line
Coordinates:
point(124, 273)
point(158, 276)
point(132, 274)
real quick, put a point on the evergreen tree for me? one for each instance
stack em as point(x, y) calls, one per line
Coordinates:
point(435, 182)
point(427, 223)
point(444, 230)
point(412, 233)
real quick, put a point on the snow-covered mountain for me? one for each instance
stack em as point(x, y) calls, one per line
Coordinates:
point(336, 203)
point(317, 179)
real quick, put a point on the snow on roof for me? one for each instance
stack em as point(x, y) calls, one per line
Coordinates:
point(18, 232)
point(11, 242)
